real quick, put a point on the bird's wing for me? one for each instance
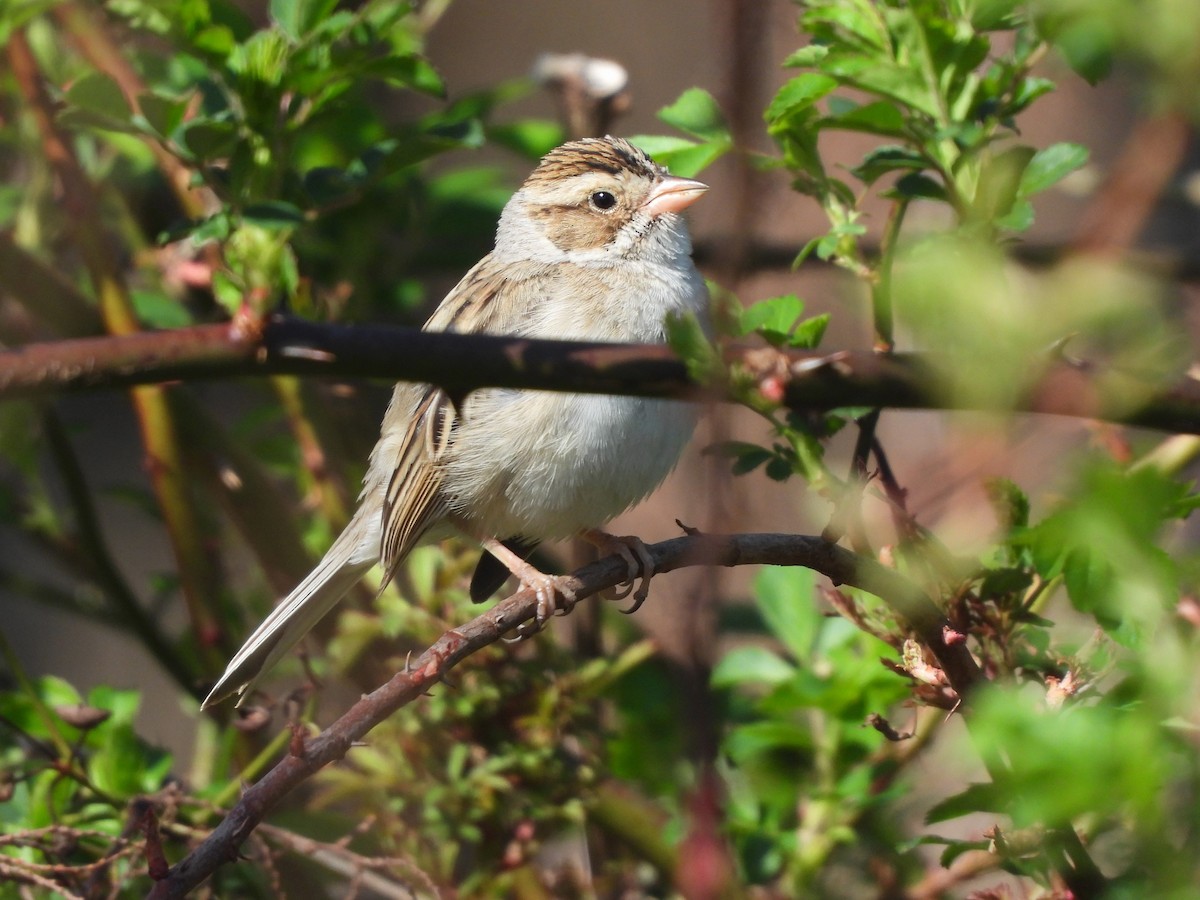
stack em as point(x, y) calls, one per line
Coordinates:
point(414, 499)
point(484, 302)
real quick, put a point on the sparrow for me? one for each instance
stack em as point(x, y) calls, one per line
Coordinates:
point(591, 247)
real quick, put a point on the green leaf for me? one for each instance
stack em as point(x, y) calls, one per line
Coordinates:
point(780, 469)
point(993, 15)
point(806, 57)
point(532, 138)
point(751, 665)
point(773, 319)
point(808, 334)
point(216, 41)
point(227, 292)
point(881, 117)
point(684, 157)
point(410, 71)
point(854, 24)
point(1095, 759)
point(999, 182)
point(746, 456)
point(162, 114)
point(756, 738)
point(799, 94)
point(273, 216)
point(298, 17)
point(1001, 583)
point(1049, 166)
point(17, 15)
point(326, 185)
point(687, 338)
point(976, 798)
point(159, 310)
point(1029, 88)
point(696, 113)
point(917, 185)
point(100, 95)
point(215, 228)
point(888, 158)
point(1018, 218)
point(1087, 44)
point(885, 79)
point(1010, 503)
point(786, 597)
point(208, 139)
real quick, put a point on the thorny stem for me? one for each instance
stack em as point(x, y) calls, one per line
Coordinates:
point(909, 602)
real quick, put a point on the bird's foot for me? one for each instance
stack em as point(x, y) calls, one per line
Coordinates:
point(639, 564)
point(553, 592)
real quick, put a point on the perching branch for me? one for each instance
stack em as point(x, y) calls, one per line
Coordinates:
point(839, 564)
point(460, 363)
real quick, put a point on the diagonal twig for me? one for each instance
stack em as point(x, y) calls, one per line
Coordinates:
point(839, 564)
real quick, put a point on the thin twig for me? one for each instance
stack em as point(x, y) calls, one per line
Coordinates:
point(839, 564)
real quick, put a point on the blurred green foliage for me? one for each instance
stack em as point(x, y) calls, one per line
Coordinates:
point(276, 153)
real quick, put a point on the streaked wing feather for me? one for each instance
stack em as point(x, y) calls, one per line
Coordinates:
point(414, 500)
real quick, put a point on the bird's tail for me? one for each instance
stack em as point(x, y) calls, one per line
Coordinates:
point(352, 554)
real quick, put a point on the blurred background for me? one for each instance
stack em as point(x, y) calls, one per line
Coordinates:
point(746, 231)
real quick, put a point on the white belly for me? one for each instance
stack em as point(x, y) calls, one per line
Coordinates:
point(568, 461)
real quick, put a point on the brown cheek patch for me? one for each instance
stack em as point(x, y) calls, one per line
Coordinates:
point(572, 228)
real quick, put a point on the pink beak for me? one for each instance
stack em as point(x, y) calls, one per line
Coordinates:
point(671, 195)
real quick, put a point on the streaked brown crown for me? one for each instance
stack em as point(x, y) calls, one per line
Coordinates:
point(611, 155)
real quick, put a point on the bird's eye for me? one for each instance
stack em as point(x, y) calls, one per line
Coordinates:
point(603, 200)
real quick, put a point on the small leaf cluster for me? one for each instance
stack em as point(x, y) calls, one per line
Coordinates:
point(795, 728)
point(925, 76)
point(1073, 607)
point(70, 768)
point(798, 450)
point(1102, 715)
point(697, 115)
point(500, 759)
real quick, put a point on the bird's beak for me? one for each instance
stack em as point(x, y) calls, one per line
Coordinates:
point(671, 195)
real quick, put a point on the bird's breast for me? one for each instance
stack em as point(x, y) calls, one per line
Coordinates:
point(548, 465)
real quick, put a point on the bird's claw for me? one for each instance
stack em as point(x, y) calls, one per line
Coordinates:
point(639, 597)
point(638, 562)
point(548, 589)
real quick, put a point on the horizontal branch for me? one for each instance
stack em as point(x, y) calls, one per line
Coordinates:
point(460, 363)
point(281, 345)
point(304, 760)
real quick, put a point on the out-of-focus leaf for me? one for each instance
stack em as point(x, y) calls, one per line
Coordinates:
point(99, 94)
point(881, 117)
point(159, 310)
point(1049, 166)
point(773, 318)
point(975, 798)
point(532, 138)
point(298, 17)
point(684, 157)
point(751, 665)
point(162, 114)
point(696, 113)
point(786, 598)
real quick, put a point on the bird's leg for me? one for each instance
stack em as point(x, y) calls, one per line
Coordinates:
point(547, 588)
point(638, 561)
